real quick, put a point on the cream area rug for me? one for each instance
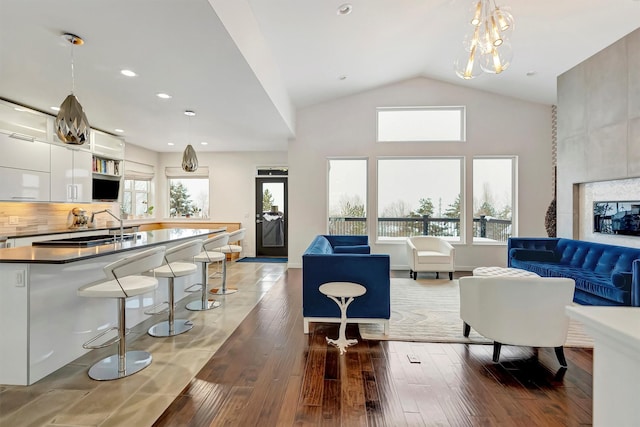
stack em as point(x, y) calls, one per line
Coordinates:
point(428, 310)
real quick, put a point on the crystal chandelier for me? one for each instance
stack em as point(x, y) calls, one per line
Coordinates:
point(71, 124)
point(486, 47)
point(189, 158)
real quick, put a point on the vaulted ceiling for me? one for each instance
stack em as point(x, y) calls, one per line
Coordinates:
point(245, 66)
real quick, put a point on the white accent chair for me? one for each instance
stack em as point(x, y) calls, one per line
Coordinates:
point(125, 280)
point(524, 311)
point(430, 254)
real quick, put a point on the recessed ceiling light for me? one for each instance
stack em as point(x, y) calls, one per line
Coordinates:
point(344, 9)
point(189, 113)
point(170, 143)
point(163, 95)
point(128, 73)
point(55, 108)
point(531, 73)
point(119, 130)
point(342, 77)
point(204, 143)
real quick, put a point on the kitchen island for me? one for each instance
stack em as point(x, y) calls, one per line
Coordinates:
point(44, 322)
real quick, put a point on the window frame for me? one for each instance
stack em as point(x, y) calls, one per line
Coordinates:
point(133, 191)
point(202, 214)
point(366, 195)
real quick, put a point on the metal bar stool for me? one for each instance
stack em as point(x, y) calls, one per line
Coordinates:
point(125, 281)
point(175, 266)
point(235, 238)
point(208, 255)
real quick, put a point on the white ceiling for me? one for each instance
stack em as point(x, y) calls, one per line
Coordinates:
point(244, 66)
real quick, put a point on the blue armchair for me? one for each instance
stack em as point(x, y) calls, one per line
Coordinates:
point(345, 259)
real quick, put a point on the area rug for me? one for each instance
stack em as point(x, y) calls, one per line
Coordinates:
point(263, 259)
point(426, 310)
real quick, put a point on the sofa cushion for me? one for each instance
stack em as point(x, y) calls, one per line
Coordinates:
point(622, 280)
point(352, 249)
point(534, 255)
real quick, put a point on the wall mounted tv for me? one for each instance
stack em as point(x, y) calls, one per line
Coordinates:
point(105, 189)
point(616, 218)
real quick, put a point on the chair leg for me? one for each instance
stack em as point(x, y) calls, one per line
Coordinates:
point(560, 356)
point(451, 275)
point(466, 329)
point(437, 275)
point(415, 275)
point(496, 351)
point(410, 273)
point(172, 326)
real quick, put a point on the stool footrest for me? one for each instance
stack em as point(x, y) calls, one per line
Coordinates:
point(196, 287)
point(154, 312)
point(90, 346)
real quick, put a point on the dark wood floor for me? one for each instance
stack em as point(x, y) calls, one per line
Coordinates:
point(268, 373)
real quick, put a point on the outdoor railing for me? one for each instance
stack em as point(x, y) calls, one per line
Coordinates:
point(489, 228)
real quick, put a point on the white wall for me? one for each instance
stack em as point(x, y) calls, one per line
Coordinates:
point(231, 185)
point(496, 125)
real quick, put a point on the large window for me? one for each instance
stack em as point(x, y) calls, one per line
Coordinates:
point(189, 197)
point(421, 124)
point(420, 196)
point(493, 199)
point(136, 200)
point(348, 196)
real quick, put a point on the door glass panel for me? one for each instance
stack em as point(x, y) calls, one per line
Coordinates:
point(273, 214)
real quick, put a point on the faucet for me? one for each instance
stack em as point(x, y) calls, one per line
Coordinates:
point(93, 214)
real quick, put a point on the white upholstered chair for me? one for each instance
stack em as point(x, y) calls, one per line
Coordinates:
point(430, 254)
point(524, 311)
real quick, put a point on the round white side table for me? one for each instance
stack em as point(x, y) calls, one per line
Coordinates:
point(343, 293)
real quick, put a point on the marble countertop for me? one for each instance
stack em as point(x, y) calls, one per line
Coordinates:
point(58, 255)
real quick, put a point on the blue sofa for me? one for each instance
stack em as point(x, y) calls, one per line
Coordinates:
point(604, 274)
point(345, 259)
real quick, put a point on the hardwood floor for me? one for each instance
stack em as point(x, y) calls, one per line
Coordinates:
point(268, 373)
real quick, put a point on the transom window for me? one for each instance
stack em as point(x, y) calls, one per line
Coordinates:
point(421, 124)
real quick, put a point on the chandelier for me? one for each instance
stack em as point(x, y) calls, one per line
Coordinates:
point(486, 46)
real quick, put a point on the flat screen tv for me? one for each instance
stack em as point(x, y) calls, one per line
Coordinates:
point(106, 190)
point(617, 217)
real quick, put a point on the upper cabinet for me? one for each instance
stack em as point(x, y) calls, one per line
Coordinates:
point(24, 123)
point(24, 169)
point(70, 174)
point(107, 146)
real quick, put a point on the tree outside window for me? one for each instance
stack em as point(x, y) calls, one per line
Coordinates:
point(189, 197)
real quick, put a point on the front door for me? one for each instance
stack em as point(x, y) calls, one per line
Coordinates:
point(271, 216)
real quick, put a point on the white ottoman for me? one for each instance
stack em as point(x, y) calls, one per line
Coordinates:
point(503, 271)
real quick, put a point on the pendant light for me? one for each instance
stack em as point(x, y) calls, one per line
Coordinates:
point(71, 124)
point(189, 158)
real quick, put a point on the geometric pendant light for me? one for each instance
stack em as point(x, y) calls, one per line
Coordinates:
point(189, 158)
point(71, 124)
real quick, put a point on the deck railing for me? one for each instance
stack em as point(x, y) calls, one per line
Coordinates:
point(489, 228)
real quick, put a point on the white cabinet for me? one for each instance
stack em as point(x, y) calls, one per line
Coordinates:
point(19, 153)
point(70, 174)
point(24, 122)
point(107, 146)
point(20, 185)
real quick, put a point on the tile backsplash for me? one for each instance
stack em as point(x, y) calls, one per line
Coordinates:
point(18, 218)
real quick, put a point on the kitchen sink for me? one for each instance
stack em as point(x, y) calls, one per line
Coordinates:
point(86, 241)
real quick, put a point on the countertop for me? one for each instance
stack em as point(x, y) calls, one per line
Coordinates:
point(57, 255)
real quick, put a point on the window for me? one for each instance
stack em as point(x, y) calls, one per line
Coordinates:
point(136, 199)
point(189, 197)
point(348, 196)
point(421, 124)
point(420, 196)
point(493, 199)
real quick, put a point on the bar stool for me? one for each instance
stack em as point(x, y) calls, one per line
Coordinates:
point(125, 281)
point(175, 266)
point(208, 255)
point(235, 237)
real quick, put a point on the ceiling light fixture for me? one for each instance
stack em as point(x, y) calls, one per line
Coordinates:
point(71, 124)
point(128, 73)
point(118, 130)
point(344, 9)
point(486, 47)
point(189, 158)
point(163, 95)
